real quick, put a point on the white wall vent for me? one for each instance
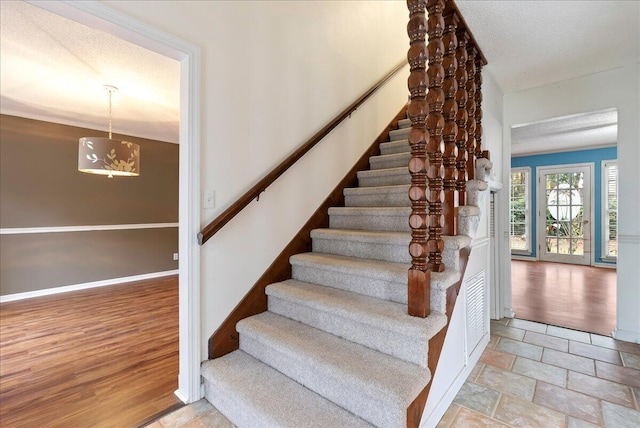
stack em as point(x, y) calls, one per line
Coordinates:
point(476, 311)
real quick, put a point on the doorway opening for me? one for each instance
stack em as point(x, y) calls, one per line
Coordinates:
point(563, 218)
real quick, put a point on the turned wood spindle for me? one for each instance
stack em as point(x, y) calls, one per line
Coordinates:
point(419, 275)
point(478, 117)
point(435, 125)
point(450, 110)
point(461, 117)
point(471, 111)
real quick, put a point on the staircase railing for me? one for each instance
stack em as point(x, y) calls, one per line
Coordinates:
point(218, 223)
point(445, 138)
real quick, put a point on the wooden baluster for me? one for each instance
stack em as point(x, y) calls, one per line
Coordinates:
point(461, 117)
point(478, 118)
point(450, 87)
point(471, 111)
point(419, 275)
point(435, 125)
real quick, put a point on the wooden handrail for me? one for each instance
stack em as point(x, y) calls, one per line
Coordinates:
point(253, 193)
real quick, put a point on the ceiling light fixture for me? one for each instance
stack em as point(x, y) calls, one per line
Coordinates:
point(105, 156)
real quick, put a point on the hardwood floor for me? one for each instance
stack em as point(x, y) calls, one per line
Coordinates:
point(105, 357)
point(573, 296)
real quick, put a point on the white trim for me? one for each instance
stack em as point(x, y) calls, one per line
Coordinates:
point(629, 239)
point(625, 336)
point(523, 257)
point(104, 18)
point(59, 229)
point(527, 207)
point(84, 286)
point(606, 265)
point(588, 259)
point(604, 209)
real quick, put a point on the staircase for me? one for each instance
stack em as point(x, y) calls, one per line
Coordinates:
point(337, 347)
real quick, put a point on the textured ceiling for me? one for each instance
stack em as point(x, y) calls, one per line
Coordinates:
point(535, 43)
point(54, 69)
point(595, 129)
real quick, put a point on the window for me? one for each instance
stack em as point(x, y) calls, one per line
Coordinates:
point(609, 210)
point(520, 216)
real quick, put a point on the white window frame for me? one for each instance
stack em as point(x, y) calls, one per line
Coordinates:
point(527, 207)
point(604, 209)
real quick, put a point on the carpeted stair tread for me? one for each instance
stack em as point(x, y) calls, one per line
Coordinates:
point(253, 395)
point(398, 146)
point(379, 313)
point(378, 237)
point(384, 177)
point(399, 134)
point(370, 384)
point(393, 160)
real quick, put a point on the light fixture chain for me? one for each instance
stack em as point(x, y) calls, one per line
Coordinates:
point(110, 93)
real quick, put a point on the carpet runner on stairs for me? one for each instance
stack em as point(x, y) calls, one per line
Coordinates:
point(337, 348)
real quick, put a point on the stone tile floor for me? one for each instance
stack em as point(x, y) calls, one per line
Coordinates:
point(530, 375)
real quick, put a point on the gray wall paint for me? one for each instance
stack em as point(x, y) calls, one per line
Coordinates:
point(41, 187)
point(40, 184)
point(45, 260)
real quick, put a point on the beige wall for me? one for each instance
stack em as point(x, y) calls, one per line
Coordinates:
point(41, 187)
point(273, 74)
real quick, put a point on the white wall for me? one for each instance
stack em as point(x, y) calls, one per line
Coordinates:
point(620, 89)
point(273, 74)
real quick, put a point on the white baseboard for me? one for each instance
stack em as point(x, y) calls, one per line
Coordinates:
point(606, 265)
point(523, 258)
point(181, 396)
point(626, 336)
point(86, 285)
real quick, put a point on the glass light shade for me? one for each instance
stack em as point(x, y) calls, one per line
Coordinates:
point(104, 156)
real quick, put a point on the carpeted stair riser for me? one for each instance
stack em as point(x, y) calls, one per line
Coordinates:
point(399, 146)
point(368, 384)
point(385, 246)
point(384, 177)
point(365, 244)
point(380, 196)
point(399, 134)
point(374, 323)
point(253, 395)
point(395, 160)
point(359, 276)
point(404, 123)
point(392, 219)
point(368, 279)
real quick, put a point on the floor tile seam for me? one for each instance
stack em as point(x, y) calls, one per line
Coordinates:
point(551, 364)
point(455, 414)
point(617, 351)
point(565, 413)
point(484, 415)
point(601, 400)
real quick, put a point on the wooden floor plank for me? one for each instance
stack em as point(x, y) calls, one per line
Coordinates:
point(578, 297)
point(105, 357)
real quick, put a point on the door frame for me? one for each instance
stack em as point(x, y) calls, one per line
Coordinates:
point(541, 203)
point(109, 20)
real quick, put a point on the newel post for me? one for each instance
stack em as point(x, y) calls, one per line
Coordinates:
point(419, 276)
point(450, 110)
